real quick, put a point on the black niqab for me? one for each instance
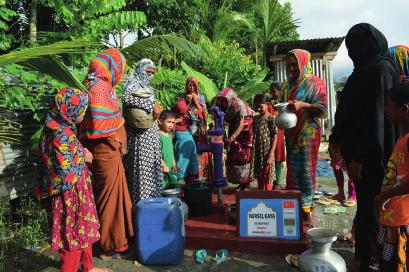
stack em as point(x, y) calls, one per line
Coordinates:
point(364, 42)
point(360, 118)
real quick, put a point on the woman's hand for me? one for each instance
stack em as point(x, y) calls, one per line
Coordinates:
point(227, 142)
point(88, 156)
point(165, 168)
point(123, 149)
point(156, 112)
point(270, 161)
point(295, 105)
point(175, 169)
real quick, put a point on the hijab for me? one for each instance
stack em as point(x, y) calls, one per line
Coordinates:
point(62, 155)
point(401, 55)
point(364, 43)
point(138, 82)
point(104, 116)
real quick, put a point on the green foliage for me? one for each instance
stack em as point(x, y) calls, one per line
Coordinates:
point(50, 49)
point(222, 58)
point(117, 21)
point(162, 46)
point(169, 85)
point(23, 228)
point(22, 89)
point(170, 16)
point(235, 21)
point(5, 16)
point(55, 68)
point(254, 86)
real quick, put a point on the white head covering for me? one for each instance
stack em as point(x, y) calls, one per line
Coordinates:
point(138, 83)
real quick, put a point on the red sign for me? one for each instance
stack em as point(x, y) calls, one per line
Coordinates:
point(288, 204)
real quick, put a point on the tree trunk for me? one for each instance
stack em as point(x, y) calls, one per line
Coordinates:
point(33, 21)
point(121, 39)
point(256, 45)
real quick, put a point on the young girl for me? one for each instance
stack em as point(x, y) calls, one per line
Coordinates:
point(166, 125)
point(338, 165)
point(65, 183)
point(279, 154)
point(393, 201)
point(264, 143)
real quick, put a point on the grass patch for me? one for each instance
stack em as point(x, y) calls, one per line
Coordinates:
point(23, 225)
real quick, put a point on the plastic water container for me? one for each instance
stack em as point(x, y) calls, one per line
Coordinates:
point(160, 231)
point(198, 197)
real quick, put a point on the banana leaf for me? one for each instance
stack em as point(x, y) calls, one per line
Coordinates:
point(254, 86)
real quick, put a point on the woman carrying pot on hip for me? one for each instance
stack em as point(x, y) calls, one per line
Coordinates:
point(307, 98)
point(143, 161)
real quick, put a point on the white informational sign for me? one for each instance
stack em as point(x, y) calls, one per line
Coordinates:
point(261, 221)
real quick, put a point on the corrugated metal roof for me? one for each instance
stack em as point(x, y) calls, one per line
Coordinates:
point(323, 45)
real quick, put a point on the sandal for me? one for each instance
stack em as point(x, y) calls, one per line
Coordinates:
point(200, 256)
point(221, 255)
point(113, 255)
point(323, 201)
point(349, 203)
point(292, 260)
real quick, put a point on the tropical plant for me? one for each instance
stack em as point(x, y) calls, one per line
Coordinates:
point(278, 23)
point(225, 63)
point(169, 85)
point(163, 47)
point(5, 16)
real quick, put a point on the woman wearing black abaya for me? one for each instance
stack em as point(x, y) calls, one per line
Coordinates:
point(366, 137)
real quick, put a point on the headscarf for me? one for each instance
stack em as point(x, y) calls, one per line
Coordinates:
point(104, 115)
point(304, 65)
point(364, 42)
point(193, 80)
point(401, 55)
point(235, 106)
point(62, 155)
point(307, 88)
point(138, 83)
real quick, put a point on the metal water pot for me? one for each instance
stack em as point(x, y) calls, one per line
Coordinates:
point(285, 118)
point(320, 258)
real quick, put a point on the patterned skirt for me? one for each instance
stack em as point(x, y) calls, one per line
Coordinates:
point(143, 163)
point(74, 217)
point(392, 248)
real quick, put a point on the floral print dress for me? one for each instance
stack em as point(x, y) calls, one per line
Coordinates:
point(264, 130)
point(64, 178)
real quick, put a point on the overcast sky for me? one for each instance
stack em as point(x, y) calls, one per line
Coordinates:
point(333, 18)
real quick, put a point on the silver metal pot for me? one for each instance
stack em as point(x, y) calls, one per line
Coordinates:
point(285, 118)
point(171, 193)
point(320, 257)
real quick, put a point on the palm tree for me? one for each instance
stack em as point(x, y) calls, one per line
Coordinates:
point(277, 19)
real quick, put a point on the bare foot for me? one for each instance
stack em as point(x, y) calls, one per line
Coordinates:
point(98, 269)
point(348, 237)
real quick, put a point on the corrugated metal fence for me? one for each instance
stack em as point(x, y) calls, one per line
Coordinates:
point(322, 69)
point(17, 161)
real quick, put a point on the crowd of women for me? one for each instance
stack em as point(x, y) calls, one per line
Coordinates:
point(87, 133)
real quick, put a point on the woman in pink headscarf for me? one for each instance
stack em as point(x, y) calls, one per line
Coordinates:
point(239, 116)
